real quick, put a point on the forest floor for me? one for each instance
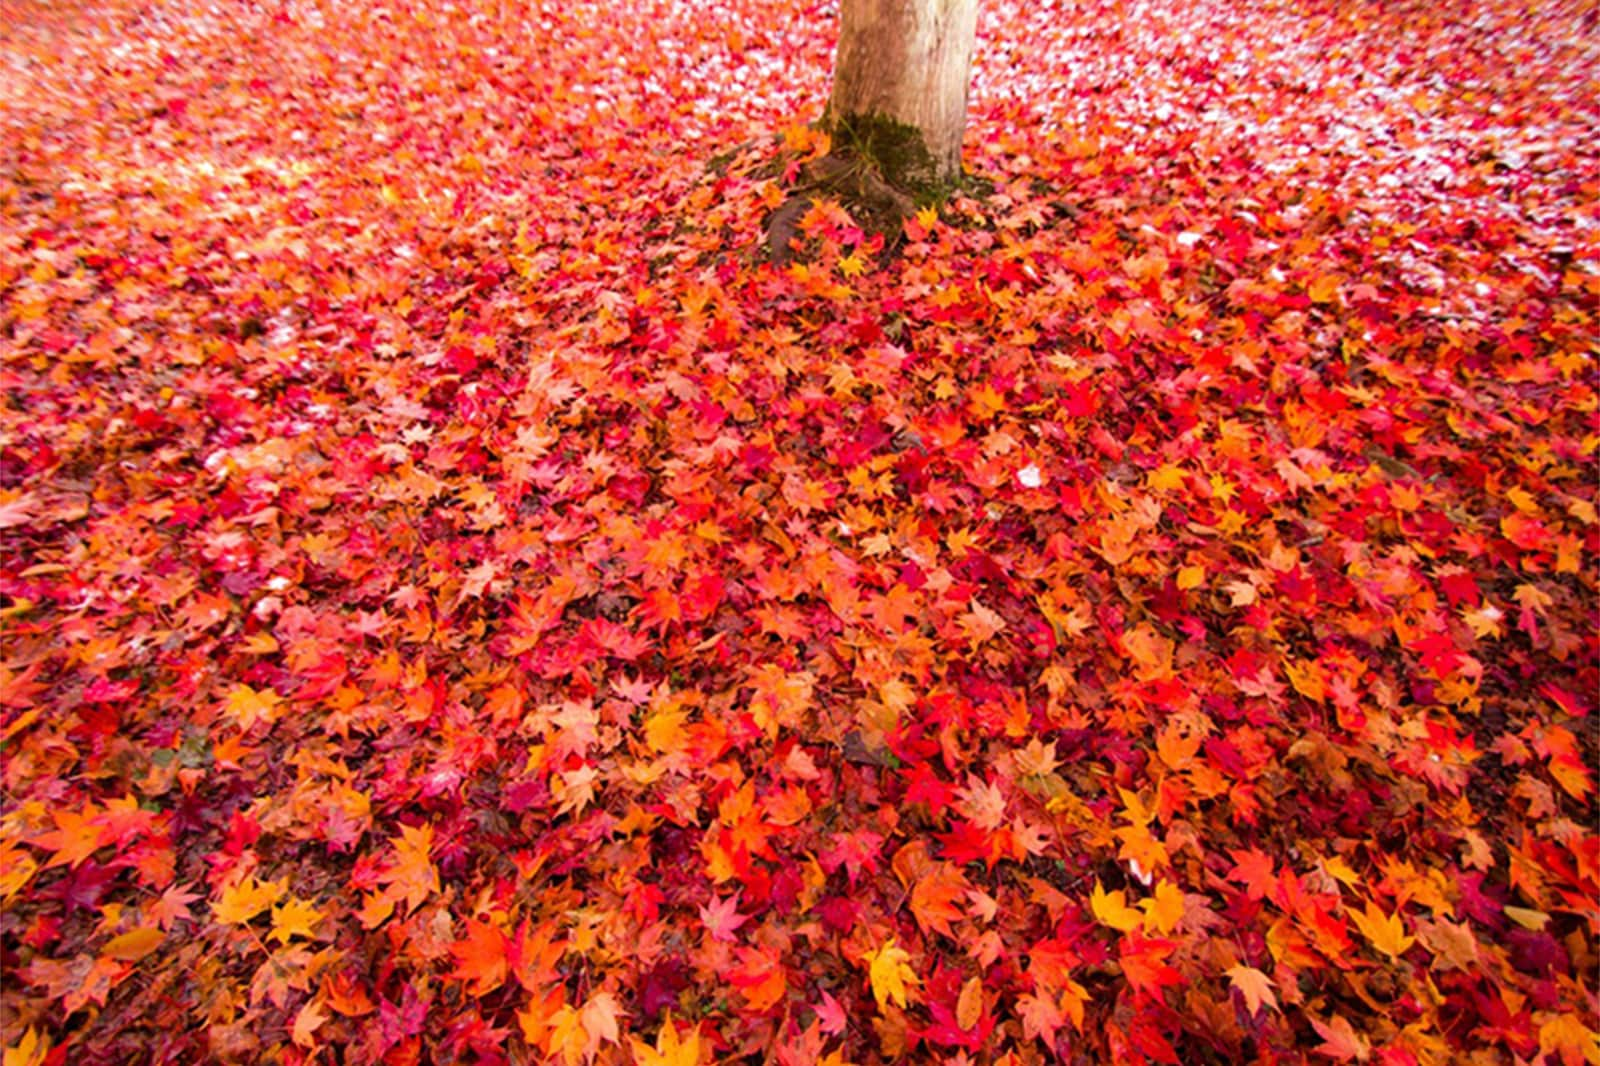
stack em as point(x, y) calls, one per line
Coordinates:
point(462, 602)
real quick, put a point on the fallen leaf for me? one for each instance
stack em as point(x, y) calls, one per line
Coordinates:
point(1111, 908)
point(1255, 986)
point(1340, 1041)
point(670, 1049)
point(890, 974)
point(1385, 931)
point(133, 945)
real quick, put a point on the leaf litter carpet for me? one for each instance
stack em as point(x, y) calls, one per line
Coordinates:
point(461, 603)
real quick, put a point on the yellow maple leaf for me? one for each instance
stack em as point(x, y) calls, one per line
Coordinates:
point(1340, 871)
point(961, 542)
point(1307, 679)
point(31, 1050)
point(1167, 478)
point(1387, 932)
point(890, 974)
point(1572, 777)
point(1522, 499)
point(294, 917)
point(1111, 908)
point(1164, 909)
point(133, 945)
point(798, 137)
point(663, 730)
point(565, 1036)
point(1485, 620)
point(250, 705)
point(17, 867)
point(670, 1049)
point(1135, 809)
point(243, 900)
point(1324, 289)
point(1565, 1032)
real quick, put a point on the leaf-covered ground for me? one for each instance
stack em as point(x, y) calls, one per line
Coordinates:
point(461, 604)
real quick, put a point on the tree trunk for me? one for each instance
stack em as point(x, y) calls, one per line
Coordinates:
point(900, 86)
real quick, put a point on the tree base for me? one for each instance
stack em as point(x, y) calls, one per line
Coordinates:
point(877, 205)
point(896, 152)
point(877, 169)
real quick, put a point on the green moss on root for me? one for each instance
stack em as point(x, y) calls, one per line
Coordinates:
point(893, 150)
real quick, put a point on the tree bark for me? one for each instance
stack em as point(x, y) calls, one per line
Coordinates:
point(900, 85)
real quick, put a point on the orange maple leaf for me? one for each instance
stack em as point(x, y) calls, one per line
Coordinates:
point(75, 837)
point(413, 877)
point(1340, 1041)
point(1144, 964)
point(759, 976)
point(935, 899)
point(1253, 869)
point(1255, 986)
point(481, 957)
